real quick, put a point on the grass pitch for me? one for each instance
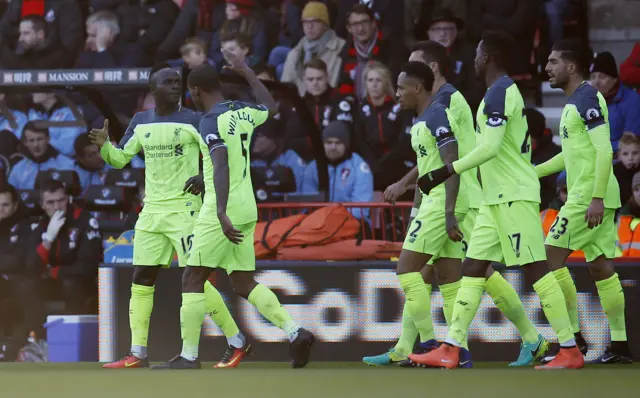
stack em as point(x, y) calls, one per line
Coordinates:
point(320, 379)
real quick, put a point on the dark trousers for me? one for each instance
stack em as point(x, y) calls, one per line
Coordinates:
point(21, 306)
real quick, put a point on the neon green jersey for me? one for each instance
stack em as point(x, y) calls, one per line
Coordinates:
point(585, 115)
point(458, 107)
point(231, 124)
point(171, 155)
point(434, 129)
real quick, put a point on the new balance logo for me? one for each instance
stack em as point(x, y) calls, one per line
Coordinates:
point(179, 150)
point(565, 132)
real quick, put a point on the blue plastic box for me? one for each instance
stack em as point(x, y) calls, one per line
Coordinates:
point(72, 338)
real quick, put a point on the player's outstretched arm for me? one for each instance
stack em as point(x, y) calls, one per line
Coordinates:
point(551, 166)
point(220, 160)
point(116, 157)
point(395, 190)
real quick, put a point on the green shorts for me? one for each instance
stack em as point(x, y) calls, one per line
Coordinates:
point(212, 249)
point(159, 234)
point(570, 231)
point(509, 233)
point(427, 234)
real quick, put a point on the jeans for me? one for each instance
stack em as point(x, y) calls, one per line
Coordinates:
point(277, 58)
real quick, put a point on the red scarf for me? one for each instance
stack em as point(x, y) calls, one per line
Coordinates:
point(32, 7)
point(350, 63)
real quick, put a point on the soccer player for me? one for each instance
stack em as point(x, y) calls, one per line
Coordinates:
point(504, 296)
point(508, 228)
point(586, 221)
point(166, 135)
point(223, 236)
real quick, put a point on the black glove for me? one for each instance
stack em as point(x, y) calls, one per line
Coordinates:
point(433, 178)
point(194, 185)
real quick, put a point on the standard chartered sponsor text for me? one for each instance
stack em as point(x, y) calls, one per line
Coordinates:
point(159, 151)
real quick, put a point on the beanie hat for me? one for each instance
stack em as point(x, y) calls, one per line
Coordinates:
point(244, 6)
point(605, 63)
point(316, 10)
point(337, 129)
point(636, 179)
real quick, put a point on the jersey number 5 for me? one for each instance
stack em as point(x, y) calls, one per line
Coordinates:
point(244, 137)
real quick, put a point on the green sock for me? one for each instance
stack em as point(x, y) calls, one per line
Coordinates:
point(552, 302)
point(506, 299)
point(140, 307)
point(215, 306)
point(612, 300)
point(570, 296)
point(449, 293)
point(418, 302)
point(409, 332)
point(268, 305)
point(191, 318)
point(466, 306)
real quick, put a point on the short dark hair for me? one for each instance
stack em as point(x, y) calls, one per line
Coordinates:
point(499, 45)
point(205, 77)
point(156, 68)
point(36, 127)
point(10, 189)
point(316, 63)
point(421, 72)
point(361, 9)
point(242, 39)
point(38, 21)
point(50, 185)
point(575, 51)
point(261, 67)
point(433, 52)
point(82, 141)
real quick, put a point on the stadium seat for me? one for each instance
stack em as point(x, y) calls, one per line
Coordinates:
point(68, 177)
point(111, 206)
point(269, 183)
point(129, 178)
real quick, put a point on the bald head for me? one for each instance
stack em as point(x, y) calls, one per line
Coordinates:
point(165, 85)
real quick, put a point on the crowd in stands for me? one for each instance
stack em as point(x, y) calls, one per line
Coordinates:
point(342, 56)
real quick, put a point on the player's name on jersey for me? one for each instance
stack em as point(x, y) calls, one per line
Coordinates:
point(64, 77)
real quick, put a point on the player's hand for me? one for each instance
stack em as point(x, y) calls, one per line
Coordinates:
point(394, 191)
point(235, 63)
point(453, 229)
point(55, 224)
point(229, 230)
point(100, 136)
point(434, 178)
point(194, 185)
point(595, 213)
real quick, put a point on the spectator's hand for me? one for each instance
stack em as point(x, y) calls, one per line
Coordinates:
point(194, 185)
point(394, 191)
point(595, 213)
point(100, 136)
point(453, 230)
point(235, 63)
point(55, 224)
point(229, 230)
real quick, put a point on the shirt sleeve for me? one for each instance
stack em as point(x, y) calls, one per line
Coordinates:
point(259, 113)
point(210, 133)
point(129, 146)
point(439, 126)
point(551, 166)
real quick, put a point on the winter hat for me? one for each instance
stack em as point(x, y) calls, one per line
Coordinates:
point(244, 6)
point(605, 63)
point(337, 129)
point(447, 15)
point(636, 179)
point(316, 10)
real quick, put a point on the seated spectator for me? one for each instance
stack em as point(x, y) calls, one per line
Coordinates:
point(105, 47)
point(324, 104)
point(381, 129)
point(194, 53)
point(9, 153)
point(319, 41)
point(632, 206)
point(366, 44)
point(289, 34)
point(627, 164)
point(350, 179)
point(630, 68)
point(11, 119)
point(542, 149)
point(90, 166)
point(243, 16)
point(15, 230)
point(238, 44)
point(39, 155)
point(35, 48)
point(388, 13)
point(49, 108)
point(622, 102)
point(269, 150)
point(561, 192)
point(265, 72)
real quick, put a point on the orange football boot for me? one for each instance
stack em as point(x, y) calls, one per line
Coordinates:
point(445, 356)
point(567, 358)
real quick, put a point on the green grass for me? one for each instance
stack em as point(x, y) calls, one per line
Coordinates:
point(265, 380)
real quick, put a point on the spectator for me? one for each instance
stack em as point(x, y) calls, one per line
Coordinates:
point(366, 44)
point(15, 230)
point(63, 18)
point(243, 16)
point(9, 153)
point(104, 47)
point(265, 72)
point(632, 206)
point(381, 129)
point(388, 13)
point(324, 104)
point(350, 179)
point(627, 164)
point(268, 150)
point(194, 53)
point(34, 48)
point(622, 102)
point(67, 248)
point(516, 17)
point(39, 155)
point(630, 68)
point(50, 108)
point(11, 119)
point(319, 41)
point(542, 149)
point(561, 192)
point(90, 166)
point(238, 44)
point(290, 33)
